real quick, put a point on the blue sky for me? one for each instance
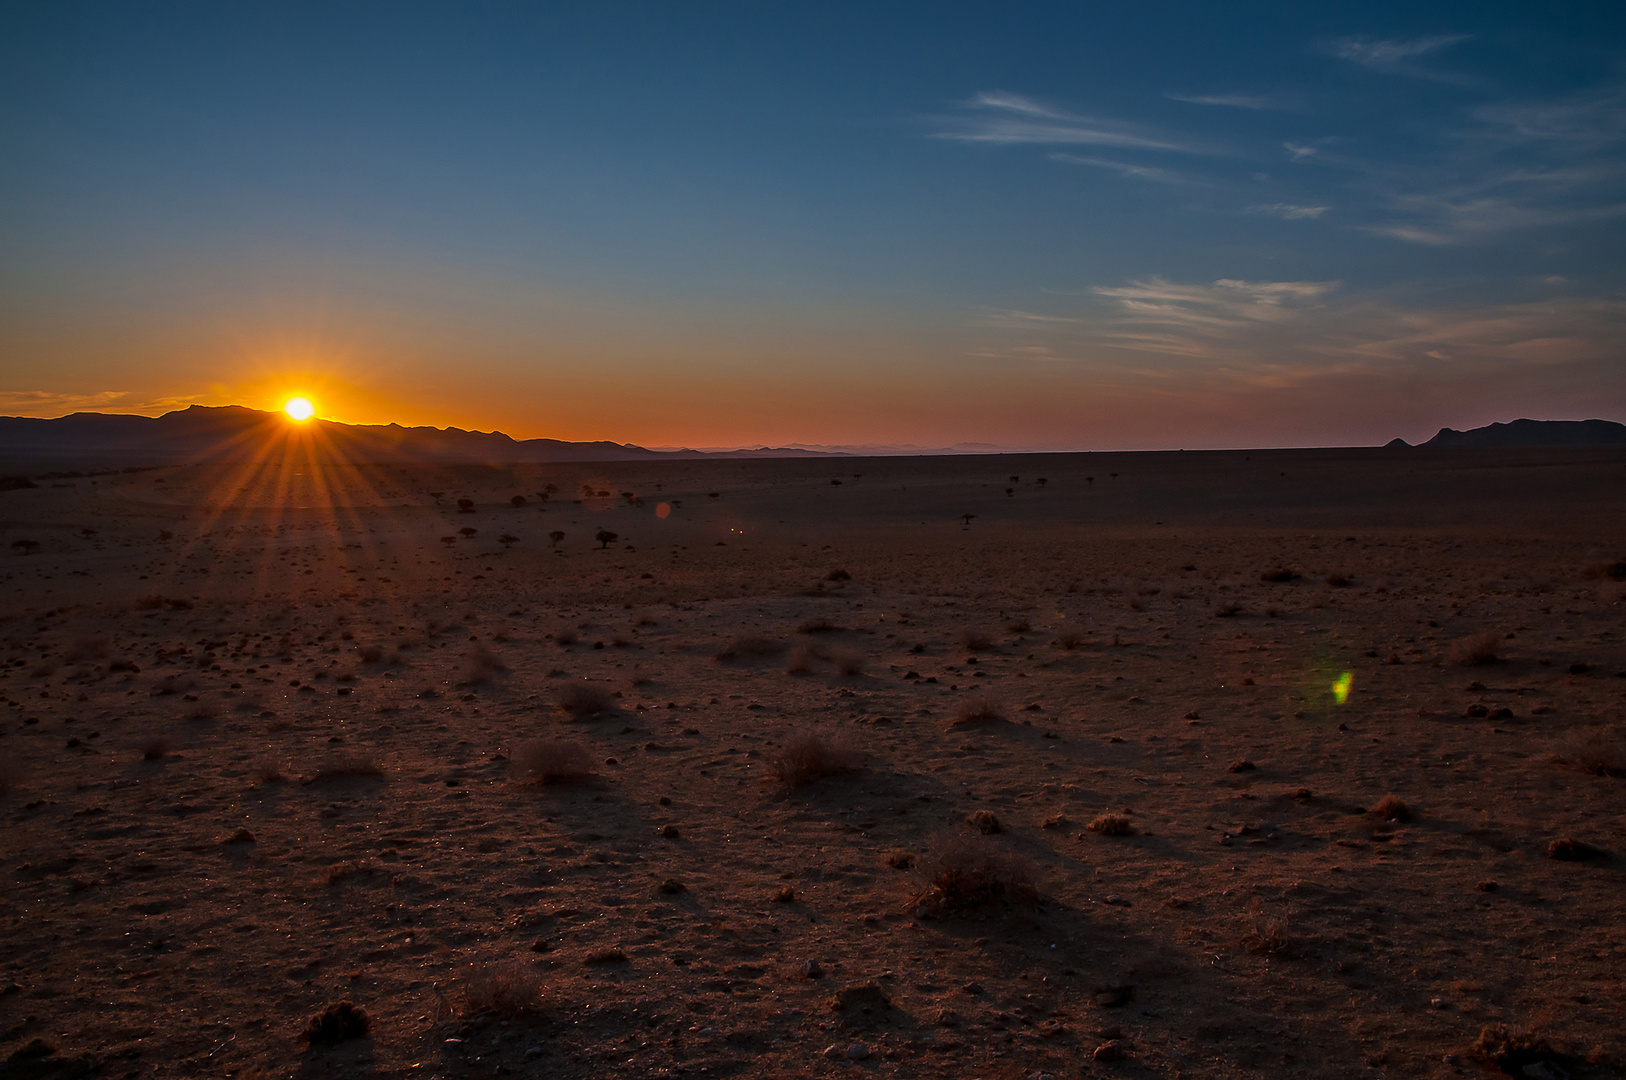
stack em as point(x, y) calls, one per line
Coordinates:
point(1060, 226)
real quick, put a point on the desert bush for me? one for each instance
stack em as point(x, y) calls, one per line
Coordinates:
point(900, 858)
point(807, 756)
point(555, 536)
point(965, 871)
point(750, 646)
point(87, 648)
point(1070, 641)
point(838, 575)
point(1339, 581)
point(849, 663)
point(465, 506)
point(803, 657)
point(517, 501)
point(1280, 575)
point(503, 988)
point(553, 761)
point(985, 822)
point(370, 654)
point(1391, 808)
point(173, 684)
point(482, 664)
point(565, 637)
point(978, 707)
point(1018, 626)
point(1515, 1053)
point(975, 641)
point(584, 700)
point(11, 775)
point(1228, 611)
point(1568, 849)
point(1477, 650)
point(267, 771)
point(605, 538)
point(204, 710)
point(818, 626)
point(1112, 825)
point(1600, 752)
point(154, 747)
point(336, 1023)
point(1269, 938)
point(347, 767)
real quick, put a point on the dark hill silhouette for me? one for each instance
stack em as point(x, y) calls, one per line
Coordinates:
point(1520, 433)
point(232, 432)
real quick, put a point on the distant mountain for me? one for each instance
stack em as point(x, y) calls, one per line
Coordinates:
point(235, 433)
point(1521, 433)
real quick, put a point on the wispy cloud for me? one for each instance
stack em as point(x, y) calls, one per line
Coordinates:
point(1397, 57)
point(1225, 304)
point(1234, 101)
point(1124, 168)
point(1290, 211)
point(1010, 317)
point(32, 402)
point(1005, 118)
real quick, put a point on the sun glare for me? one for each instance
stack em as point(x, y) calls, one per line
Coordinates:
point(299, 408)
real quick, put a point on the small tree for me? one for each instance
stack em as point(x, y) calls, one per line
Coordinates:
point(87, 533)
point(448, 540)
point(469, 530)
point(555, 536)
point(605, 538)
point(25, 547)
point(1041, 481)
point(517, 501)
point(507, 540)
point(967, 518)
point(465, 506)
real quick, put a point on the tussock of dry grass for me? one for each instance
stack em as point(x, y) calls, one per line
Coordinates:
point(1513, 1051)
point(986, 822)
point(849, 664)
point(154, 747)
point(810, 755)
point(482, 665)
point(1269, 937)
point(268, 771)
point(978, 707)
point(1599, 752)
point(965, 871)
point(803, 658)
point(750, 647)
point(584, 700)
point(504, 988)
point(87, 648)
point(975, 641)
point(347, 767)
point(1477, 650)
point(336, 1023)
point(552, 761)
point(820, 625)
point(1391, 808)
point(1112, 825)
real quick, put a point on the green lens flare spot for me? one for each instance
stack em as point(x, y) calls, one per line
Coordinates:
point(1341, 685)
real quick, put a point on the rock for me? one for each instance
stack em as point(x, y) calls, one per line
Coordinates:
point(1111, 997)
point(1565, 849)
point(834, 1051)
point(857, 1052)
point(672, 886)
point(1111, 1050)
point(811, 969)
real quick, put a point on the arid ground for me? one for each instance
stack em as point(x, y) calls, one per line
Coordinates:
point(1226, 764)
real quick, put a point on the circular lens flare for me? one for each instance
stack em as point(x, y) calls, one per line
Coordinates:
point(299, 408)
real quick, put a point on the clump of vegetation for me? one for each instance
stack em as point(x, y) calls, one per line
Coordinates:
point(751, 646)
point(838, 575)
point(966, 871)
point(1339, 581)
point(605, 538)
point(1070, 640)
point(347, 767)
point(1516, 1053)
point(849, 664)
point(336, 1023)
point(811, 755)
point(483, 665)
point(1566, 849)
point(504, 988)
point(1391, 808)
point(553, 761)
point(1269, 937)
point(268, 771)
point(585, 701)
point(978, 707)
point(1477, 650)
point(154, 748)
point(1280, 575)
point(975, 641)
point(1599, 752)
point(818, 626)
point(1112, 825)
point(91, 648)
point(803, 657)
point(985, 822)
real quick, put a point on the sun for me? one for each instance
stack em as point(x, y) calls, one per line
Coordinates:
point(299, 408)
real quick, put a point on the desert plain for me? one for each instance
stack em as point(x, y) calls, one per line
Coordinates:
point(1240, 764)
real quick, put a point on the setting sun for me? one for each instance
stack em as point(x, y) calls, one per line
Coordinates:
point(299, 408)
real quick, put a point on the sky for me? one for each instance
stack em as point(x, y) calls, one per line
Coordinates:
point(1043, 226)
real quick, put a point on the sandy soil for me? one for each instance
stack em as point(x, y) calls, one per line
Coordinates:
point(263, 736)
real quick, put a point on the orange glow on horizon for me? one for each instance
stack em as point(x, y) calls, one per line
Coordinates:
point(299, 408)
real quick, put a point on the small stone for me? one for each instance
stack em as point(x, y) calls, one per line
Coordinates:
point(811, 969)
point(671, 832)
point(833, 1051)
point(672, 886)
point(858, 1051)
point(1111, 1050)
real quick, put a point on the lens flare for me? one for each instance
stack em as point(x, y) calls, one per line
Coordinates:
point(1341, 685)
point(299, 408)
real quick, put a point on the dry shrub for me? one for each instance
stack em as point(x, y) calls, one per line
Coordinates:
point(752, 647)
point(803, 657)
point(986, 822)
point(811, 755)
point(370, 654)
point(11, 775)
point(204, 710)
point(1279, 576)
point(1566, 849)
point(154, 747)
point(820, 625)
point(584, 700)
point(1615, 571)
point(1599, 752)
point(975, 641)
point(553, 761)
point(849, 664)
point(900, 858)
point(1391, 808)
point(1269, 937)
point(337, 1023)
point(92, 648)
point(268, 771)
point(1477, 650)
point(1514, 1052)
point(503, 988)
point(978, 707)
point(482, 665)
point(964, 871)
point(1070, 641)
point(1112, 825)
point(1019, 626)
point(347, 767)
